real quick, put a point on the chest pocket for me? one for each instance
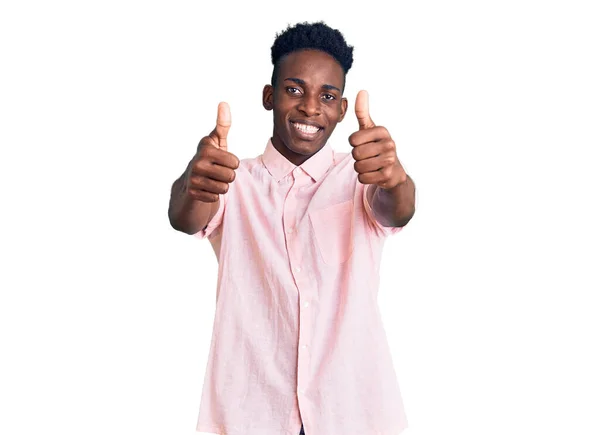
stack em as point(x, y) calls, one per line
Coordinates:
point(333, 229)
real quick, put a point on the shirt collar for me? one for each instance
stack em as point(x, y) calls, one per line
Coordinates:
point(316, 166)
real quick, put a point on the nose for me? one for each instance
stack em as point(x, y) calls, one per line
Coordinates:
point(310, 106)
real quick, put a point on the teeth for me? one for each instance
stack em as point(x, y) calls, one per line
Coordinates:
point(306, 128)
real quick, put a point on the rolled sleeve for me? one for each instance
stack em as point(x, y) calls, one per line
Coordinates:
point(214, 225)
point(375, 224)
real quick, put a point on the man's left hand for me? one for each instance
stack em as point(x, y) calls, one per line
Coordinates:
point(374, 150)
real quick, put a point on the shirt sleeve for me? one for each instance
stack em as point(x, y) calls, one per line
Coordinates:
point(214, 225)
point(374, 223)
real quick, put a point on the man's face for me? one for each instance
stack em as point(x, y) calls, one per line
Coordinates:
point(307, 103)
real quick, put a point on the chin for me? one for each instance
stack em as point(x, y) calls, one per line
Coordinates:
point(305, 148)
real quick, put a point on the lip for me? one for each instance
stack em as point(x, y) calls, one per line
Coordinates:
point(306, 122)
point(304, 135)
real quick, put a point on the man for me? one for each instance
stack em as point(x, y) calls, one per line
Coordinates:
point(298, 343)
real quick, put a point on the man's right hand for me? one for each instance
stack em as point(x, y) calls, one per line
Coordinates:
point(213, 167)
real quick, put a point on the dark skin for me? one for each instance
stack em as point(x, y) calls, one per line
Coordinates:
point(309, 89)
point(391, 191)
point(307, 104)
point(195, 195)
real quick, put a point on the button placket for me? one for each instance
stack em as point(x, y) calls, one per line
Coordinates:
point(305, 332)
point(294, 254)
point(289, 218)
point(300, 277)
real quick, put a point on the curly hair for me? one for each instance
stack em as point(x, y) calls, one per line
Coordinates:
point(316, 36)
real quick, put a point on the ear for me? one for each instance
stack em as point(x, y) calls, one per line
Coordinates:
point(343, 108)
point(268, 97)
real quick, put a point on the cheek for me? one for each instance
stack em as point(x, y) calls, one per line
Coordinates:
point(334, 116)
point(282, 119)
point(279, 114)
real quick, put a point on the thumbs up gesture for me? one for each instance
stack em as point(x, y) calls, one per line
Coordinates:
point(376, 161)
point(212, 169)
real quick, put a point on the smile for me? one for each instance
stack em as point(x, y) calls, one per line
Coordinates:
point(305, 128)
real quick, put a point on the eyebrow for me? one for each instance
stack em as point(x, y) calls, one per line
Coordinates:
point(302, 82)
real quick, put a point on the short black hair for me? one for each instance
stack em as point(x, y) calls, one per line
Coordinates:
point(316, 36)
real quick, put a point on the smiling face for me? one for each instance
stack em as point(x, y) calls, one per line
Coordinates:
point(307, 103)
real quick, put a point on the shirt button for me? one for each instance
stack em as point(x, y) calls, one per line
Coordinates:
point(304, 346)
point(306, 304)
point(290, 230)
point(302, 390)
point(298, 269)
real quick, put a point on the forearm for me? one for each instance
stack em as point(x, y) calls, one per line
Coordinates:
point(393, 207)
point(187, 214)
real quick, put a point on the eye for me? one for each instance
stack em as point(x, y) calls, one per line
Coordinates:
point(328, 97)
point(292, 90)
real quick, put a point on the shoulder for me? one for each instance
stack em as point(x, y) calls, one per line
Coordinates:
point(250, 164)
point(342, 158)
point(343, 164)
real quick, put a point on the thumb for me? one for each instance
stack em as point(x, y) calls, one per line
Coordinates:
point(361, 108)
point(223, 125)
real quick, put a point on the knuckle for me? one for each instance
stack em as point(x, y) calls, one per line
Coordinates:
point(191, 180)
point(204, 142)
point(197, 166)
point(194, 194)
point(205, 152)
point(209, 197)
point(197, 182)
point(383, 131)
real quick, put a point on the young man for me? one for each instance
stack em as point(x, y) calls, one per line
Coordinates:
point(298, 344)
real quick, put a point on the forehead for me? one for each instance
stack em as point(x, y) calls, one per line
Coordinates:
point(313, 66)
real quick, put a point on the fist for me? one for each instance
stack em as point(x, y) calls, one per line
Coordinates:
point(374, 151)
point(213, 168)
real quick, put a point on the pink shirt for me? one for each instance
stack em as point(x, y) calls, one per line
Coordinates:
point(298, 336)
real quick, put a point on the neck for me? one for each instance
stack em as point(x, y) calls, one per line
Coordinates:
point(295, 158)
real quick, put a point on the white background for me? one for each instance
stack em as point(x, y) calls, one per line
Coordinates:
point(489, 295)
